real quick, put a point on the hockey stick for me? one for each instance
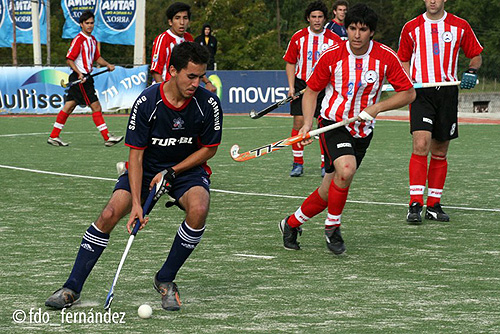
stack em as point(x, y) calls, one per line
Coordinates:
point(269, 148)
point(417, 85)
point(254, 114)
point(146, 209)
point(71, 83)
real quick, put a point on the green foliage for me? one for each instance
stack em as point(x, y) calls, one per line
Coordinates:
point(249, 38)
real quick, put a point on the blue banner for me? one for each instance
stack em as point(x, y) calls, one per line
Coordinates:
point(114, 19)
point(72, 9)
point(5, 41)
point(38, 90)
point(24, 27)
point(242, 91)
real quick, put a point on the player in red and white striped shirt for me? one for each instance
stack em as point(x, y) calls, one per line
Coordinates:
point(80, 57)
point(429, 48)
point(301, 55)
point(351, 73)
point(178, 16)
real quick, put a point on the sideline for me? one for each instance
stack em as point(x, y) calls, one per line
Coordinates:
point(235, 192)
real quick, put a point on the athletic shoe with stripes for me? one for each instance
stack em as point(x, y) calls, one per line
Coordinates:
point(289, 235)
point(413, 216)
point(334, 241)
point(436, 213)
point(56, 142)
point(297, 170)
point(170, 299)
point(113, 140)
point(62, 298)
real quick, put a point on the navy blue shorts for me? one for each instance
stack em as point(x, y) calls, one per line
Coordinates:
point(183, 182)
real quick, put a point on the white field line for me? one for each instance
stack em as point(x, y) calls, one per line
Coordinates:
point(265, 257)
point(236, 192)
point(39, 133)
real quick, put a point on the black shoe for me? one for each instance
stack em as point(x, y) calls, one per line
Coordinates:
point(170, 299)
point(436, 213)
point(289, 235)
point(414, 216)
point(62, 298)
point(334, 240)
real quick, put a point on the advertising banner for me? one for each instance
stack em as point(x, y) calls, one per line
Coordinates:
point(38, 90)
point(24, 26)
point(242, 91)
point(114, 19)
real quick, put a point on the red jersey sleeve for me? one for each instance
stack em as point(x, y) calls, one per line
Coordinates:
point(396, 75)
point(405, 45)
point(74, 48)
point(159, 54)
point(322, 72)
point(292, 51)
point(470, 43)
point(188, 37)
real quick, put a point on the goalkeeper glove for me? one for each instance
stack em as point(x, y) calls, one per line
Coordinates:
point(469, 79)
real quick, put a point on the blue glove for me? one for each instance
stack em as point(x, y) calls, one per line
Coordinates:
point(469, 79)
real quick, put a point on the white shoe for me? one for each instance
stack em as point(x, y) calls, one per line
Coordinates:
point(121, 168)
point(56, 142)
point(112, 140)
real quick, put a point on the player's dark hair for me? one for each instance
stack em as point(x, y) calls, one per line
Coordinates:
point(178, 7)
point(361, 13)
point(85, 16)
point(314, 6)
point(186, 52)
point(340, 3)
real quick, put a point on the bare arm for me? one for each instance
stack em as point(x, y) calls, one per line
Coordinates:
point(157, 77)
point(72, 64)
point(208, 84)
point(309, 101)
point(406, 66)
point(398, 100)
point(476, 62)
point(290, 75)
point(135, 178)
point(103, 62)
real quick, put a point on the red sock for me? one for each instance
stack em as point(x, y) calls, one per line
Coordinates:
point(337, 197)
point(438, 167)
point(101, 125)
point(418, 177)
point(59, 124)
point(313, 205)
point(298, 152)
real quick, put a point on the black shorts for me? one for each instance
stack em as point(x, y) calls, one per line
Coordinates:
point(339, 142)
point(436, 110)
point(82, 94)
point(183, 182)
point(296, 105)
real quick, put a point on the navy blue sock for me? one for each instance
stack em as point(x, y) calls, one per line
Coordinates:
point(184, 243)
point(93, 244)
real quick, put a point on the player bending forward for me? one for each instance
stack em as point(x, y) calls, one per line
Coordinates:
point(82, 53)
point(173, 129)
point(351, 73)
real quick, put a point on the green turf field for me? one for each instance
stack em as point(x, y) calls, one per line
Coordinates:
point(394, 278)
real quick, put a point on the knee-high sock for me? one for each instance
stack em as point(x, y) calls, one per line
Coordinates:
point(59, 124)
point(184, 243)
point(438, 168)
point(337, 197)
point(100, 124)
point(93, 244)
point(298, 151)
point(313, 205)
point(418, 178)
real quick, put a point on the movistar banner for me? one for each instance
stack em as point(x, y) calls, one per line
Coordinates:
point(24, 26)
point(242, 91)
point(38, 89)
point(114, 19)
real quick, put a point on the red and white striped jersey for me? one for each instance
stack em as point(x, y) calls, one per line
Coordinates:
point(305, 47)
point(432, 46)
point(353, 83)
point(162, 49)
point(83, 51)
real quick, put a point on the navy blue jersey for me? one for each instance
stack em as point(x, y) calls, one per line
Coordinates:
point(339, 29)
point(168, 134)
